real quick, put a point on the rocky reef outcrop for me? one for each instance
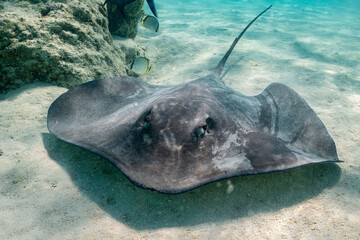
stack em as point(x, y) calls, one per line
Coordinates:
point(124, 16)
point(66, 42)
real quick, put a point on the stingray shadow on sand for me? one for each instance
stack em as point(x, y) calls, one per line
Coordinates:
point(233, 198)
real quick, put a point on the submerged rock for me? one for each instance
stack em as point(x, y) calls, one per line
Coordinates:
point(124, 16)
point(64, 42)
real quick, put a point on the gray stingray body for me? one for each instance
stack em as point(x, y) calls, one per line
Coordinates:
point(174, 138)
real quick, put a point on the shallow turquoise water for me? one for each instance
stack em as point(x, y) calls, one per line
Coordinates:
point(297, 42)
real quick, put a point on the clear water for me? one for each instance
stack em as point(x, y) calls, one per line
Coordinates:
point(296, 42)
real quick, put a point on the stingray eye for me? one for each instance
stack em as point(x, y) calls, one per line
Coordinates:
point(199, 132)
point(146, 121)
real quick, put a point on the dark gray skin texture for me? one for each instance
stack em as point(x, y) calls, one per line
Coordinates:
point(175, 138)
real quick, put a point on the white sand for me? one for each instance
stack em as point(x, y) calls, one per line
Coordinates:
point(50, 189)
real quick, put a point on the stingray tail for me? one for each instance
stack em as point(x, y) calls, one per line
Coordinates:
point(218, 70)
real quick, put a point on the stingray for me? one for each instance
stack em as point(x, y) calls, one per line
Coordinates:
point(172, 139)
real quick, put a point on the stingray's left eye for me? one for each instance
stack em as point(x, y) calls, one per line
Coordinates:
point(146, 121)
point(207, 128)
point(199, 132)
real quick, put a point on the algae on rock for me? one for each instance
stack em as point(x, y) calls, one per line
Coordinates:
point(124, 16)
point(64, 42)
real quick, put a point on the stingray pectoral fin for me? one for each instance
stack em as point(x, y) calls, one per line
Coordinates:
point(267, 153)
point(296, 125)
point(90, 114)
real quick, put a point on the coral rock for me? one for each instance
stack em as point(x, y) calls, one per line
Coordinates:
point(124, 16)
point(63, 42)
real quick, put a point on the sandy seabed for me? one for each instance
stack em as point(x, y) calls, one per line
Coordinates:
point(53, 190)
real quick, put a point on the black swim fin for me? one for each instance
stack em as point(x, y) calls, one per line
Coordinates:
point(151, 4)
